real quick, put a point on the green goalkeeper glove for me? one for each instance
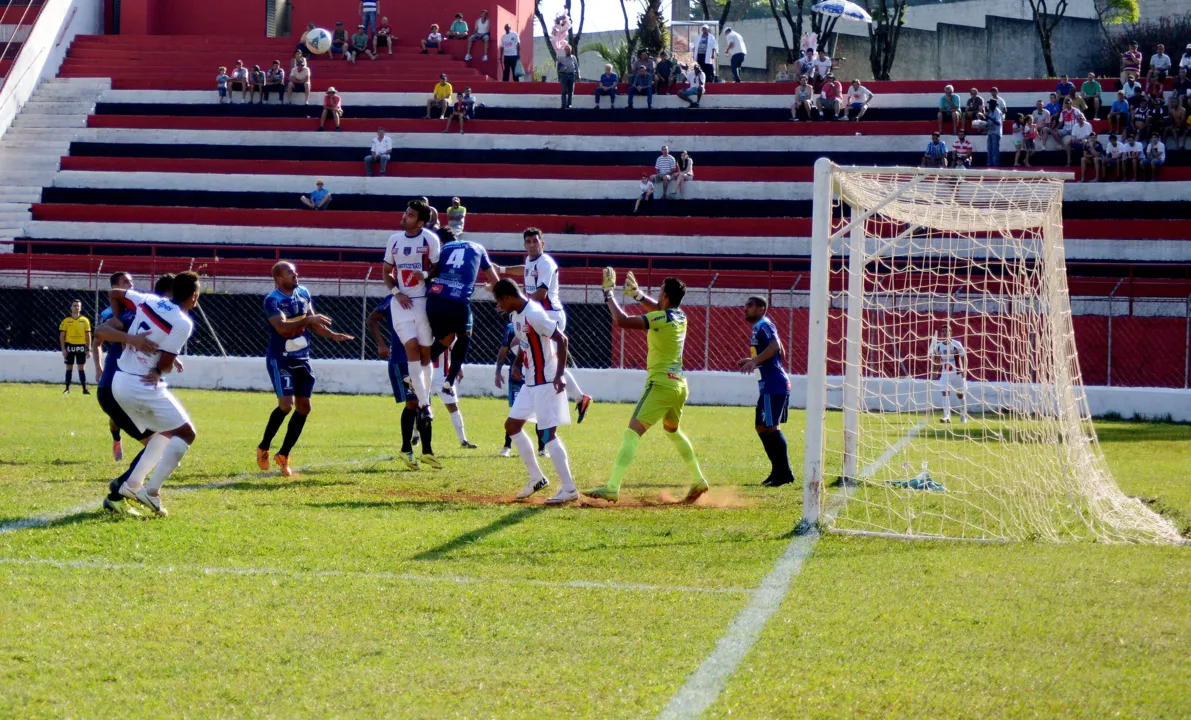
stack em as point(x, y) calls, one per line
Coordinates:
point(609, 281)
point(631, 288)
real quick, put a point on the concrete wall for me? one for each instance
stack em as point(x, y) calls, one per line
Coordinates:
point(1154, 10)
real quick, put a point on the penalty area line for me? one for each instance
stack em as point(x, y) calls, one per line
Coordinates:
point(711, 677)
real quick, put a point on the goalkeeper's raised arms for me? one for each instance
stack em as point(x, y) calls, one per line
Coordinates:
point(631, 288)
point(609, 280)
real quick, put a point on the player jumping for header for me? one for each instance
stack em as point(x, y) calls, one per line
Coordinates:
point(291, 317)
point(665, 386)
point(774, 387)
point(949, 356)
point(448, 299)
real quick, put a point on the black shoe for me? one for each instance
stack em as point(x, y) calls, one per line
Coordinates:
point(86, 391)
point(778, 481)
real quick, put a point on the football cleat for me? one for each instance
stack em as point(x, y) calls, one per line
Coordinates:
point(66, 391)
point(581, 405)
point(262, 459)
point(117, 451)
point(283, 465)
point(426, 414)
point(544, 453)
point(963, 420)
point(141, 495)
point(505, 452)
point(119, 507)
point(431, 461)
point(603, 493)
point(532, 487)
point(410, 460)
point(467, 446)
point(563, 496)
point(772, 481)
point(696, 491)
point(86, 391)
point(447, 389)
point(945, 420)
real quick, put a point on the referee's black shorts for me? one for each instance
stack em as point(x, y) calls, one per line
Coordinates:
point(107, 402)
point(76, 354)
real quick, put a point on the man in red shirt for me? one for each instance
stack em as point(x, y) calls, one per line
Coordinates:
point(831, 96)
point(961, 151)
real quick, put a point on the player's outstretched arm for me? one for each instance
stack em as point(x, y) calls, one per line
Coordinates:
point(507, 270)
point(382, 347)
point(113, 331)
point(324, 330)
point(633, 290)
point(619, 317)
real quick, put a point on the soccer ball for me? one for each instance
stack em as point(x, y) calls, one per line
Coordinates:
point(318, 41)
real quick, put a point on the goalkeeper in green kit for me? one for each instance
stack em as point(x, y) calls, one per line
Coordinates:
point(665, 387)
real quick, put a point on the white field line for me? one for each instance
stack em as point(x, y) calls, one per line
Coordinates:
point(36, 521)
point(366, 575)
point(707, 682)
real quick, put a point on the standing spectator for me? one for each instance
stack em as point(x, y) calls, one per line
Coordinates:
point(684, 172)
point(1019, 135)
point(1182, 86)
point(973, 109)
point(359, 46)
point(666, 75)
point(456, 215)
point(299, 77)
point(319, 199)
point(256, 84)
point(568, 71)
point(1077, 140)
point(1093, 154)
point(221, 84)
point(440, 99)
point(1041, 118)
point(239, 80)
point(339, 39)
point(1185, 61)
point(383, 36)
point(1131, 63)
point(961, 151)
point(804, 94)
point(831, 96)
point(458, 112)
point(368, 10)
point(1133, 90)
point(332, 108)
point(806, 65)
point(735, 51)
point(1118, 114)
point(705, 53)
point(1090, 91)
point(510, 49)
point(996, 125)
point(824, 66)
point(74, 337)
point(480, 35)
point(433, 40)
point(458, 29)
point(948, 108)
point(641, 84)
point(1159, 65)
point(1113, 158)
point(382, 148)
point(607, 86)
point(695, 82)
point(1176, 132)
point(936, 152)
point(274, 82)
point(645, 192)
point(858, 99)
point(1029, 139)
point(1154, 157)
point(664, 165)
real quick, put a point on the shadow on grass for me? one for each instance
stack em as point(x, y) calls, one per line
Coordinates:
point(88, 516)
point(265, 485)
point(471, 536)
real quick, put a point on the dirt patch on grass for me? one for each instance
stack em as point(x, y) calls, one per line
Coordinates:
point(727, 497)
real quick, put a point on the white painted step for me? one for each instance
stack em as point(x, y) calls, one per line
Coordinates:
point(25, 195)
point(25, 147)
point(37, 106)
point(103, 83)
point(25, 178)
point(25, 120)
point(13, 219)
point(13, 207)
point(42, 134)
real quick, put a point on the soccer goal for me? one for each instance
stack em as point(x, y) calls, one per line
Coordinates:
point(944, 397)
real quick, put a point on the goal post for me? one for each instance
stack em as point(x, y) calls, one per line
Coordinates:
point(943, 391)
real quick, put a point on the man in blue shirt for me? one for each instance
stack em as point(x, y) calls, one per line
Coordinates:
point(117, 419)
point(291, 316)
point(936, 152)
point(607, 86)
point(398, 366)
point(319, 199)
point(448, 298)
point(772, 405)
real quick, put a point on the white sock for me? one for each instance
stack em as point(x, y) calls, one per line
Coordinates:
point(153, 450)
point(525, 449)
point(457, 421)
point(572, 384)
point(963, 406)
point(946, 406)
point(558, 456)
point(417, 378)
point(428, 379)
point(174, 450)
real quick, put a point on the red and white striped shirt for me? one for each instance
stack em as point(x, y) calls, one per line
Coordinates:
point(534, 328)
point(962, 148)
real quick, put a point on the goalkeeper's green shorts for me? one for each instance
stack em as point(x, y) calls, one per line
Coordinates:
point(661, 401)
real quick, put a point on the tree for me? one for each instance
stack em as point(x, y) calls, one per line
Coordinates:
point(652, 35)
point(1115, 12)
point(723, 14)
point(822, 25)
point(573, 34)
point(1045, 22)
point(884, 33)
point(618, 57)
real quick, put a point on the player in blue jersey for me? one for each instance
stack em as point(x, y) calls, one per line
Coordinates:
point(394, 351)
point(448, 298)
point(508, 355)
point(292, 318)
point(765, 359)
point(105, 354)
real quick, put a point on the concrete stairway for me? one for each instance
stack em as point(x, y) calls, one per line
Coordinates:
point(41, 134)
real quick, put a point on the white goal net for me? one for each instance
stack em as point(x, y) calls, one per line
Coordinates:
point(942, 362)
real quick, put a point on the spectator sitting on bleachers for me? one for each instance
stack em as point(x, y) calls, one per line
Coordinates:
point(1185, 61)
point(1154, 156)
point(1176, 132)
point(804, 94)
point(973, 108)
point(1182, 86)
point(1065, 88)
point(359, 46)
point(1159, 65)
point(607, 86)
point(256, 84)
point(948, 108)
point(433, 41)
point(643, 60)
point(695, 82)
point(858, 99)
point(994, 98)
point(301, 46)
point(1077, 139)
point(1118, 114)
point(383, 36)
point(319, 199)
point(664, 165)
point(238, 80)
point(831, 97)
point(1157, 117)
point(1134, 151)
point(1065, 121)
point(221, 84)
point(1133, 90)
point(274, 82)
point(684, 172)
point(641, 84)
point(567, 67)
point(458, 112)
point(645, 193)
point(1054, 107)
point(936, 152)
point(1131, 63)
point(299, 77)
point(1093, 154)
point(665, 74)
point(382, 148)
point(469, 102)
point(1140, 117)
point(1041, 118)
point(1113, 158)
point(823, 69)
point(961, 151)
point(481, 34)
point(440, 100)
point(458, 29)
point(332, 108)
point(456, 216)
point(339, 39)
point(1090, 91)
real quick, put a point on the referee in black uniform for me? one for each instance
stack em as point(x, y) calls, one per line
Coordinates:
point(74, 335)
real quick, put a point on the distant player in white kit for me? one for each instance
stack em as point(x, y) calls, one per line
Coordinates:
point(541, 284)
point(541, 356)
point(140, 391)
point(948, 355)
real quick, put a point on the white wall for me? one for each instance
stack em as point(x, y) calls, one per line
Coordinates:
point(44, 50)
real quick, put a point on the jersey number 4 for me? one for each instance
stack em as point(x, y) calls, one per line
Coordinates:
point(457, 257)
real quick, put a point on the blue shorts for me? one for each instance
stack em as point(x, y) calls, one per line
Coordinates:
point(398, 377)
point(448, 317)
point(857, 106)
point(291, 377)
point(514, 389)
point(772, 409)
point(222, 92)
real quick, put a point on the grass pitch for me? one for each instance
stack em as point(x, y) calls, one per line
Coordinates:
point(360, 589)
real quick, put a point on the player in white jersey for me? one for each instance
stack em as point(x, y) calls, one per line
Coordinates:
point(541, 357)
point(948, 355)
point(142, 394)
point(409, 257)
point(541, 283)
point(450, 398)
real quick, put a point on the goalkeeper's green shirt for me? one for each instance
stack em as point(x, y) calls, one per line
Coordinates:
point(667, 334)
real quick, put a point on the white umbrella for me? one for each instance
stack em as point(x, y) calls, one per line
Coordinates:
point(844, 9)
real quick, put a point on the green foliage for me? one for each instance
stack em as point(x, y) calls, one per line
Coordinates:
point(618, 57)
point(1117, 12)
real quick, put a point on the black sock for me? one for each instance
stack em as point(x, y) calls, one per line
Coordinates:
point(407, 428)
point(425, 432)
point(271, 428)
point(115, 434)
point(83, 377)
point(436, 350)
point(67, 377)
point(458, 357)
point(114, 496)
point(508, 441)
point(541, 439)
point(775, 448)
point(293, 431)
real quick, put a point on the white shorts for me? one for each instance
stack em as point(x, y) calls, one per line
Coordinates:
point(542, 405)
point(412, 324)
point(949, 380)
point(559, 317)
point(149, 407)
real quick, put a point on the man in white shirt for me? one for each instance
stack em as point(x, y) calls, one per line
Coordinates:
point(510, 50)
point(1114, 156)
point(806, 64)
point(1159, 65)
point(735, 51)
point(705, 53)
point(1185, 61)
point(823, 66)
point(949, 357)
point(1042, 123)
point(382, 147)
point(695, 80)
point(410, 256)
point(1078, 138)
point(858, 99)
point(1154, 156)
point(481, 34)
